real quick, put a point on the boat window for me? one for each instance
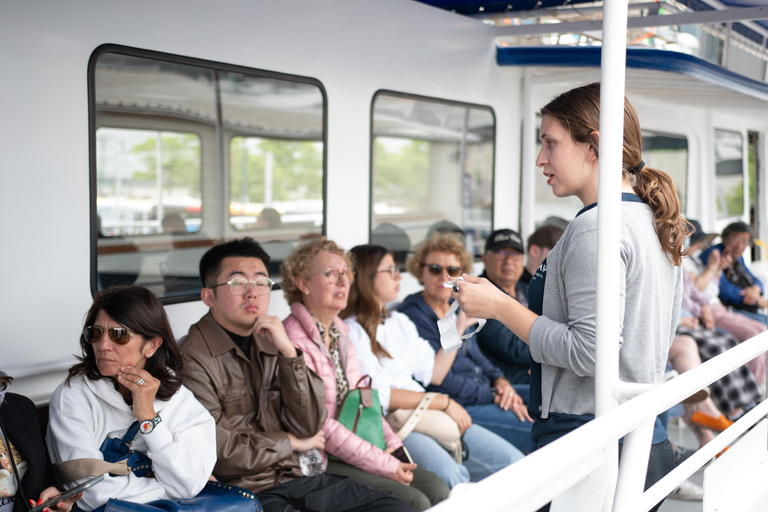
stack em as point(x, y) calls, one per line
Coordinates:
point(669, 153)
point(729, 174)
point(187, 153)
point(432, 164)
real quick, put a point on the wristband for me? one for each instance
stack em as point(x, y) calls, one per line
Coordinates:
point(448, 404)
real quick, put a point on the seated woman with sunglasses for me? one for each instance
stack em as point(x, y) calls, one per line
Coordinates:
point(472, 380)
point(128, 378)
point(401, 363)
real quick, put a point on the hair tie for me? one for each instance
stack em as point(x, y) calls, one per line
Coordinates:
point(637, 168)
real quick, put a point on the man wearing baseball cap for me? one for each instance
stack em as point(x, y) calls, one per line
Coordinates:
point(503, 259)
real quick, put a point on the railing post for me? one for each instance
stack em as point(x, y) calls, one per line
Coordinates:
point(634, 461)
point(612, 71)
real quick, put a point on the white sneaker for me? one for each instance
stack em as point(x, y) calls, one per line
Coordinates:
point(687, 491)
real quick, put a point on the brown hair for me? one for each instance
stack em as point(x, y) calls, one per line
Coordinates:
point(363, 300)
point(140, 311)
point(445, 243)
point(579, 112)
point(299, 264)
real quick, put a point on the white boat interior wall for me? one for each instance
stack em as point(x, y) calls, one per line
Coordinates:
point(353, 48)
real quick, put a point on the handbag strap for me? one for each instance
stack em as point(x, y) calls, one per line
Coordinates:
point(75, 469)
point(415, 416)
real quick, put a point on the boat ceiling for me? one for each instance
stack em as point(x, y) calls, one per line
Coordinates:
point(674, 77)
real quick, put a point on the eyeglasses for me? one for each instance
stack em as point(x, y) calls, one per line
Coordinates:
point(437, 270)
point(392, 270)
point(502, 254)
point(239, 285)
point(333, 276)
point(120, 335)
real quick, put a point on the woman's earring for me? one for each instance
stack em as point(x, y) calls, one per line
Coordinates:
point(306, 292)
point(149, 354)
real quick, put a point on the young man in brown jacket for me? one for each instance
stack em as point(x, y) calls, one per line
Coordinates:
point(267, 404)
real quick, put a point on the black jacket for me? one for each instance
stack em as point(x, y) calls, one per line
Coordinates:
point(22, 429)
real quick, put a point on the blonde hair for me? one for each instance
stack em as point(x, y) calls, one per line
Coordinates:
point(299, 264)
point(443, 243)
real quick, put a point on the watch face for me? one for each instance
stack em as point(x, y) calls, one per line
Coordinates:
point(146, 426)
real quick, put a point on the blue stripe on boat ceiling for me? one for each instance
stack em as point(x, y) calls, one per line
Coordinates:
point(640, 58)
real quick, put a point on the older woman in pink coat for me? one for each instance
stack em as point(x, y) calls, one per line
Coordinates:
point(316, 281)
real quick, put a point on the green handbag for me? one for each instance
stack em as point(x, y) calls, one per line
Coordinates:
point(361, 413)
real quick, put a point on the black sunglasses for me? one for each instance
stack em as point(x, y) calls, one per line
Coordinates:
point(437, 270)
point(120, 335)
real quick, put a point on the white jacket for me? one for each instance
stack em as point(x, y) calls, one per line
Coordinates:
point(182, 446)
point(413, 358)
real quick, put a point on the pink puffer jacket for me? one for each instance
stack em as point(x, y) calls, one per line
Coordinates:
point(339, 440)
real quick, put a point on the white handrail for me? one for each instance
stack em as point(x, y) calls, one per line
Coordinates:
point(546, 473)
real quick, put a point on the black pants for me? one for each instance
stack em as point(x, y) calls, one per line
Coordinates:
point(660, 462)
point(329, 493)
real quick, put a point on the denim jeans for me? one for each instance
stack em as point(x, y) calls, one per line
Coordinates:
point(503, 423)
point(487, 453)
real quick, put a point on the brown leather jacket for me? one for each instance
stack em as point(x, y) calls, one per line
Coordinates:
point(254, 401)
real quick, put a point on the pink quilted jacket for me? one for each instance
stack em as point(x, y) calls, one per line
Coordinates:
point(339, 441)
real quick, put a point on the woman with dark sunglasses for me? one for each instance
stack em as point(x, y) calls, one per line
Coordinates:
point(472, 380)
point(128, 383)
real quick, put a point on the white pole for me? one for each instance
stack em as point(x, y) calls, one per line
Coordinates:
point(612, 71)
point(529, 170)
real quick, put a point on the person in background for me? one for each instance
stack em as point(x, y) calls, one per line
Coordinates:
point(401, 363)
point(472, 380)
point(540, 243)
point(701, 288)
point(560, 324)
point(21, 438)
point(739, 288)
point(267, 404)
point(316, 280)
point(128, 378)
point(503, 259)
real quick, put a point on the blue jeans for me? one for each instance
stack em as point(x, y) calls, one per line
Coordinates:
point(504, 423)
point(487, 453)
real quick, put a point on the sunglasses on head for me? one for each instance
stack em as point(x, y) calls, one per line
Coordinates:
point(120, 335)
point(437, 270)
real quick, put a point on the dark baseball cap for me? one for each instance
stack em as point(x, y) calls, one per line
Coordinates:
point(698, 236)
point(504, 238)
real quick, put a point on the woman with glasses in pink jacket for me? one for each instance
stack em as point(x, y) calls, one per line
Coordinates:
point(316, 281)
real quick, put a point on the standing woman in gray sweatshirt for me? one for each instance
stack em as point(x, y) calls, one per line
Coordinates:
point(560, 324)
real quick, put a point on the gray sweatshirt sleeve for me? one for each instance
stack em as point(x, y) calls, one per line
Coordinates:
point(569, 342)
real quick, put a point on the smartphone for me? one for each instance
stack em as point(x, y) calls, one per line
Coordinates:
point(402, 455)
point(68, 494)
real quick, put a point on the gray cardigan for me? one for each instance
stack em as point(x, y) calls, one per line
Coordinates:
point(563, 338)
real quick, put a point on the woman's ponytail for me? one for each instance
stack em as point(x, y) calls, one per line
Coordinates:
point(656, 189)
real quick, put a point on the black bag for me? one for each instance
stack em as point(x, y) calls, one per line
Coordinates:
point(739, 276)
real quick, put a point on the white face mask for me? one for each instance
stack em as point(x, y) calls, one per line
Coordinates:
point(449, 334)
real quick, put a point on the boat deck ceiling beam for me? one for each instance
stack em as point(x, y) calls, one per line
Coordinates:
point(687, 18)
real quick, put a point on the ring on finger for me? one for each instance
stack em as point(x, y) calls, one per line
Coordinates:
point(456, 288)
point(140, 382)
